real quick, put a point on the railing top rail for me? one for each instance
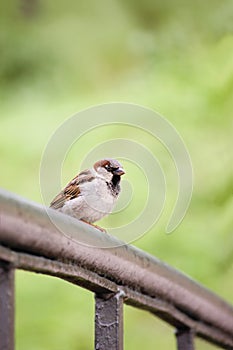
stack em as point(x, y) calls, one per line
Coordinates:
point(26, 227)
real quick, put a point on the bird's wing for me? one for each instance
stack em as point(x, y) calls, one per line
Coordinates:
point(72, 189)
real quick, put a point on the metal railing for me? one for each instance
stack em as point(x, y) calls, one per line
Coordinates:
point(29, 240)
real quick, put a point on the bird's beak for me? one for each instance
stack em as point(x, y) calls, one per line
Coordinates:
point(118, 171)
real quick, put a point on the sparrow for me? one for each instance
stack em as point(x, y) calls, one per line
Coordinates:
point(93, 193)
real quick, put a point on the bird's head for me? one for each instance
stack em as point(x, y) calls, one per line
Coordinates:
point(109, 169)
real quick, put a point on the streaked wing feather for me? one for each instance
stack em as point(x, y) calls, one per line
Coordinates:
point(71, 190)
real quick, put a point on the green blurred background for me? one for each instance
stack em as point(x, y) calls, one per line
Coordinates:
point(173, 56)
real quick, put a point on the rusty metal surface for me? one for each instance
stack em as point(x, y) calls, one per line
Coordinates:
point(109, 321)
point(185, 339)
point(6, 306)
point(26, 227)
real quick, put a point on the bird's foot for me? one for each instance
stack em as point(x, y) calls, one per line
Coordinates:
point(100, 228)
point(96, 226)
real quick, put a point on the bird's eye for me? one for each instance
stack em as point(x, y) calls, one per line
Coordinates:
point(107, 167)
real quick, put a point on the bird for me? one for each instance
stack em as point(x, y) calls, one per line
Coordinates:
point(92, 194)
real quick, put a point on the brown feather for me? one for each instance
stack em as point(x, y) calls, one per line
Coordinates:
point(71, 190)
point(101, 163)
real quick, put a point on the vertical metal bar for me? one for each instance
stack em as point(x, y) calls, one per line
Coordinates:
point(185, 339)
point(6, 306)
point(109, 322)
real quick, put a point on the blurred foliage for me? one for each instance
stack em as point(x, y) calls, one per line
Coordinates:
point(175, 57)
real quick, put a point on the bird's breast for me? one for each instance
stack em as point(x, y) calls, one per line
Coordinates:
point(98, 195)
